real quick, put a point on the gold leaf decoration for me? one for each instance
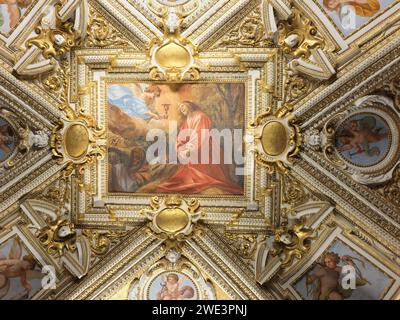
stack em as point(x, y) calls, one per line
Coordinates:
point(250, 33)
point(298, 35)
point(292, 242)
point(102, 34)
point(57, 236)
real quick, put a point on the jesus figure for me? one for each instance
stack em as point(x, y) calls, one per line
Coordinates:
point(192, 176)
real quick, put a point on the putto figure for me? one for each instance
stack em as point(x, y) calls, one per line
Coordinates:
point(7, 140)
point(326, 278)
point(362, 8)
point(358, 135)
point(14, 11)
point(16, 266)
point(172, 289)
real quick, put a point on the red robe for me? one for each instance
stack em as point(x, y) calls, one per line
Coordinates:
point(195, 178)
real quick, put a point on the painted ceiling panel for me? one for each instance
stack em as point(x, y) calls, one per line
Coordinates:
point(200, 150)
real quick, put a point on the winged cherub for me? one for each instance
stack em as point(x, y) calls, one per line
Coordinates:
point(14, 9)
point(16, 266)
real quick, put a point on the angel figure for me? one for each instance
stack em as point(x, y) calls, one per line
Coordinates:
point(358, 136)
point(6, 138)
point(134, 100)
point(15, 266)
point(14, 9)
point(362, 8)
point(326, 275)
point(171, 289)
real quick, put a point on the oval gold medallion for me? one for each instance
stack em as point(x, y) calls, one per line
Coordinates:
point(172, 56)
point(274, 138)
point(76, 140)
point(172, 220)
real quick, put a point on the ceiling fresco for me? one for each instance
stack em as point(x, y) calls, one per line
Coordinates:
point(200, 150)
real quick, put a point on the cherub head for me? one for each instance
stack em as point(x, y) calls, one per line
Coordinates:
point(345, 140)
point(172, 278)
point(151, 93)
point(59, 39)
point(6, 134)
point(292, 40)
point(187, 292)
point(331, 260)
point(354, 124)
point(64, 231)
point(332, 5)
point(313, 138)
point(286, 238)
point(29, 262)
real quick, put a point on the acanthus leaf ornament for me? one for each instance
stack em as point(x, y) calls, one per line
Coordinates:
point(57, 235)
point(244, 244)
point(102, 34)
point(395, 89)
point(297, 87)
point(249, 33)
point(102, 240)
point(293, 193)
point(391, 191)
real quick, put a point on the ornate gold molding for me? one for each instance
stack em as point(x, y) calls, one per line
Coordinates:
point(173, 218)
point(102, 34)
point(270, 196)
point(58, 235)
point(395, 89)
point(292, 242)
point(172, 57)
point(23, 138)
point(59, 29)
point(54, 43)
point(298, 35)
point(77, 141)
point(277, 139)
point(250, 33)
point(102, 240)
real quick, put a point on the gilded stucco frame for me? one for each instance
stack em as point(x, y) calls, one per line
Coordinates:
point(90, 80)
